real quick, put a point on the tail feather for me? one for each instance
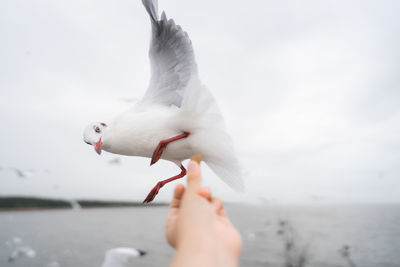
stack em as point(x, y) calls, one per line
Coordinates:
point(231, 174)
point(219, 154)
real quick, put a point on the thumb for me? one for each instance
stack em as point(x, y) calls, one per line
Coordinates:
point(194, 173)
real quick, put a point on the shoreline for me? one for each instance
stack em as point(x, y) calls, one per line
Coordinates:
point(17, 203)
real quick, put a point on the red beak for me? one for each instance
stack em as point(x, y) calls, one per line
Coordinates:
point(97, 146)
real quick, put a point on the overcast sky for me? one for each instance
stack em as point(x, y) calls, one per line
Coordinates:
point(309, 89)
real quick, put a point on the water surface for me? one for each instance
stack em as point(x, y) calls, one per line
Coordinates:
point(81, 237)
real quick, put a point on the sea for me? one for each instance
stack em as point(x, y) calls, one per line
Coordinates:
point(281, 235)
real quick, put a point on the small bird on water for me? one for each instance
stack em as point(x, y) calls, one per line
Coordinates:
point(121, 256)
point(176, 118)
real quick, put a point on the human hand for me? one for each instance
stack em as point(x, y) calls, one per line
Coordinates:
point(197, 224)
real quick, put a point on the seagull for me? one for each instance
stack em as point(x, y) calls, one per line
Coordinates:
point(115, 161)
point(176, 117)
point(23, 173)
point(24, 251)
point(119, 257)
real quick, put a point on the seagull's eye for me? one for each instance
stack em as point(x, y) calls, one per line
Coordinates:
point(97, 129)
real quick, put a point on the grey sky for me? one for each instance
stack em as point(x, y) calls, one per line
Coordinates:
point(309, 91)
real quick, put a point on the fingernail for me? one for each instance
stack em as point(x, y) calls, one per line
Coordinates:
point(192, 166)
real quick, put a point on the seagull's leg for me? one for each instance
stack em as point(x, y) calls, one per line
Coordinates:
point(160, 184)
point(163, 145)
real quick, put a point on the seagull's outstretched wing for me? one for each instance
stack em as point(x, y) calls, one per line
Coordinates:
point(171, 57)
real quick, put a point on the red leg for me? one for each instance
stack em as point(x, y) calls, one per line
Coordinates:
point(163, 145)
point(160, 184)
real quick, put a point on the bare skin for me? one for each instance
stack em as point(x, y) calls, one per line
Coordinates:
point(199, 228)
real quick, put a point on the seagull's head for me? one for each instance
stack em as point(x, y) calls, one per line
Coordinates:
point(93, 135)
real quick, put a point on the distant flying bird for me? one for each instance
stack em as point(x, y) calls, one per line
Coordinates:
point(116, 161)
point(23, 173)
point(27, 173)
point(176, 117)
point(120, 257)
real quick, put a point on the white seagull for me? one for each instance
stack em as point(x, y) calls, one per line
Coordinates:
point(115, 161)
point(177, 116)
point(23, 173)
point(24, 251)
point(120, 257)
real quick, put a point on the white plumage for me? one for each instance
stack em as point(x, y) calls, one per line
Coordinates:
point(120, 257)
point(175, 103)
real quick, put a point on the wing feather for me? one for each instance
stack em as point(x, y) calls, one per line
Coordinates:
point(171, 58)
